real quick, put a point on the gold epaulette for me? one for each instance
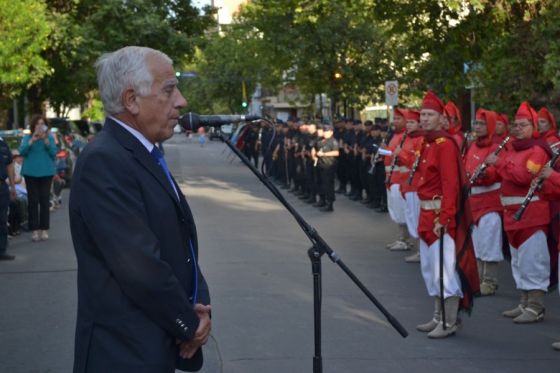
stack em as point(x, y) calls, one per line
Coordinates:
point(440, 140)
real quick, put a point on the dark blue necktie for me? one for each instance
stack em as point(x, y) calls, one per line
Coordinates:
point(156, 153)
point(158, 156)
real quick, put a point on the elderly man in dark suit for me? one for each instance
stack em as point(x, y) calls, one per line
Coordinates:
point(143, 304)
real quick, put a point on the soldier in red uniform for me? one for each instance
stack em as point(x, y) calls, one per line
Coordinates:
point(454, 126)
point(547, 128)
point(407, 156)
point(395, 201)
point(502, 125)
point(485, 202)
point(440, 184)
point(530, 260)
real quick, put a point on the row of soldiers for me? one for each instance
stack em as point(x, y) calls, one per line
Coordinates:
point(307, 158)
point(472, 201)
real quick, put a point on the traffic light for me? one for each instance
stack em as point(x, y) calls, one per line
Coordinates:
point(178, 74)
point(244, 104)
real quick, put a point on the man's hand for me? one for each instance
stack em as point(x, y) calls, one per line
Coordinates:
point(397, 151)
point(188, 349)
point(437, 228)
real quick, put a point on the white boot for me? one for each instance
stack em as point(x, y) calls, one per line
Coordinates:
point(451, 310)
point(431, 325)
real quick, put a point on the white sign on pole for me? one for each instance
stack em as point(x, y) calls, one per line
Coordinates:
point(392, 93)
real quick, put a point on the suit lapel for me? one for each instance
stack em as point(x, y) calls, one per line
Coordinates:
point(143, 157)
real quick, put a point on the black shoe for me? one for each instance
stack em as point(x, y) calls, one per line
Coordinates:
point(365, 201)
point(311, 199)
point(340, 190)
point(7, 257)
point(327, 208)
point(355, 197)
point(319, 204)
point(303, 196)
point(382, 209)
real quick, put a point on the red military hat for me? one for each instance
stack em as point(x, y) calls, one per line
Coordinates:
point(545, 114)
point(490, 118)
point(433, 102)
point(412, 114)
point(504, 118)
point(525, 111)
point(400, 112)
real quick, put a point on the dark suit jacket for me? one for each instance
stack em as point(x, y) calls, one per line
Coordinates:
point(135, 270)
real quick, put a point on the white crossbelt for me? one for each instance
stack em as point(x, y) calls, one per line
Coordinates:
point(514, 200)
point(387, 168)
point(485, 189)
point(404, 169)
point(434, 204)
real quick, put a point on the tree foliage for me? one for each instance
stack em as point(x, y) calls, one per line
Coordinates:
point(23, 36)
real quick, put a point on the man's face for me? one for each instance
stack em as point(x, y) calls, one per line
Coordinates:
point(399, 122)
point(312, 128)
point(430, 120)
point(543, 125)
point(158, 112)
point(412, 125)
point(480, 128)
point(444, 122)
point(327, 134)
point(523, 129)
point(500, 128)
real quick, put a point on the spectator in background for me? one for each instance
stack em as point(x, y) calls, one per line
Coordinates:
point(6, 194)
point(39, 152)
point(18, 206)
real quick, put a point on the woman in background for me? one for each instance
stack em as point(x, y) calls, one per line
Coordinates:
point(39, 151)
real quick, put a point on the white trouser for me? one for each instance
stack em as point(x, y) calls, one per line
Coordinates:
point(429, 261)
point(412, 212)
point(487, 238)
point(396, 204)
point(530, 263)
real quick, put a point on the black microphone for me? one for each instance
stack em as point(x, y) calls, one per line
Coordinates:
point(192, 121)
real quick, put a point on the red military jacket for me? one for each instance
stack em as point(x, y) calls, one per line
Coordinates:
point(517, 169)
point(411, 149)
point(551, 137)
point(439, 179)
point(485, 191)
point(395, 141)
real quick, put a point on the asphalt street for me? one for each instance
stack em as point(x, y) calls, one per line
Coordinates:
point(254, 256)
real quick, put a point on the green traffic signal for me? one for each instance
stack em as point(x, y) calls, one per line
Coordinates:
point(244, 104)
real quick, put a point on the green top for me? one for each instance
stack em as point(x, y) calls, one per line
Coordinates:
point(38, 157)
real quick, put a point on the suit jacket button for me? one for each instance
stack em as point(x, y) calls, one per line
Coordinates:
point(190, 299)
point(188, 260)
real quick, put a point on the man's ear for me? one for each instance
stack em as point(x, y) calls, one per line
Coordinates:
point(130, 102)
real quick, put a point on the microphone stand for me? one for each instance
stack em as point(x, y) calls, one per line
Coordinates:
point(318, 249)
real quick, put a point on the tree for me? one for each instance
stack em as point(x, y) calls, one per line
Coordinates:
point(85, 29)
point(23, 36)
point(324, 46)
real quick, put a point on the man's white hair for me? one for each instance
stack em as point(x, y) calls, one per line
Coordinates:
point(123, 69)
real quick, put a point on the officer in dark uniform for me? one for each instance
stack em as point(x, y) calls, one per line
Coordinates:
point(250, 145)
point(366, 149)
point(7, 192)
point(265, 146)
point(310, 169)
point(328, 154)
point(339, 134)
point(380, 191)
